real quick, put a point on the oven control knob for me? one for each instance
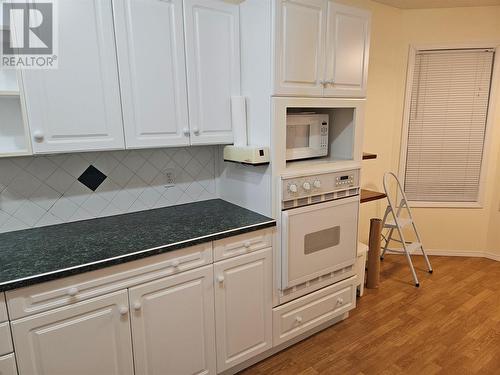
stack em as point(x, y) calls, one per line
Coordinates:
point(293, 188)
point(317, 184)
point(306, 186)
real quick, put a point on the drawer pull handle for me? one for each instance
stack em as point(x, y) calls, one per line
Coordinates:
point(175, 263)
point(247, 244)
point(137, 306)
point(340, 301)
point(220, 279)
point(123, 310)
point(73, 291)
point(298, 319)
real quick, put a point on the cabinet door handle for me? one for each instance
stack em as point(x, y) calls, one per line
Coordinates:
point(123, 310)
point(196, 131)
point(220, 279)
point(38, 136)
point(331, 81)
point(137, 306)
point(323, 82)
point(298, 319)
point(73, 291)
point(186, 132)
point(340, 301)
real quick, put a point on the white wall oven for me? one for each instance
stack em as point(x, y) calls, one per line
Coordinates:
point(319, 221)
point(306, 136)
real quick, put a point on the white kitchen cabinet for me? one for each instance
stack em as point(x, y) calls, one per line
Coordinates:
point(8, 365)
point(150, 44)
point(76, 107)
point(173, 324)
point(300, 47)
point(321, 49)
point(213, 68)
point(347, 48)
point(243, 307)
point(90, 337)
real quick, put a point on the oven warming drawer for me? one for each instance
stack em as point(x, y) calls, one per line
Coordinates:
point(318, 239)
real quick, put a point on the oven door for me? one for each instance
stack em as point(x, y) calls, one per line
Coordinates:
point(318, 239)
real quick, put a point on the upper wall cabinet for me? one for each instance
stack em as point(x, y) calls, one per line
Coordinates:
point(150, 43)
point(76, 107)
point(213, 68)
point(321, 49)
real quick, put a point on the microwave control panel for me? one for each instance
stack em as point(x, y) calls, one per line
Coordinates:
point(306, 186)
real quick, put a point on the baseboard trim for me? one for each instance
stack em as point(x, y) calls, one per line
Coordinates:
point(461, 253)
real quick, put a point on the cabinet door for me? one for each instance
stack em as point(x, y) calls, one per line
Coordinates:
point(173, 324)
point(300, 47)
point(243, 307)
point(213, 68)
point(76, 107)
point(348, 41)
point(90, 337)
point(150, 43)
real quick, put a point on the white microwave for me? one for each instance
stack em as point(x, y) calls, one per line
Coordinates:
point(306, 136)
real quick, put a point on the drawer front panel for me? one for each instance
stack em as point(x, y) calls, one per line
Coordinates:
point(303, 314)
point(8, 365)
point(46, 296)
point(5, 339)
point(3, 309)
point(242, 244)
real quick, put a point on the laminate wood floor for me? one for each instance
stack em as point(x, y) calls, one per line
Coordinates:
point(450, 325)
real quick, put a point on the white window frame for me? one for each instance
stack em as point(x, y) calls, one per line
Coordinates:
point(489, 120)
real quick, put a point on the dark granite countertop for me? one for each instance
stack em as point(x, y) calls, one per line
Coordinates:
point(35, 255)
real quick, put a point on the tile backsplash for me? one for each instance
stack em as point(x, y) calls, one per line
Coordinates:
point(44, 190)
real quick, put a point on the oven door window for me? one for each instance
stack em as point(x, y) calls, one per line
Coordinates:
point(321, 240)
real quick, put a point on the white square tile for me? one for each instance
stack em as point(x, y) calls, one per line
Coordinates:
point(193, 168)
point(110, 210)
point(82, 214)
point(173, 194)
point(159, 182)
point(134, 161)
point(24, 184)
point(41, 167)
point(182, 157)
point(149, 197)
point(29, 213)
point(123, 200)
point(95, 204)
point(135, 186)
point(45, 197)
point(75, 165)
point(4, 216)
point(121, 175)
point(205, 195)
point(10, 201)
point(91, 157)
point(13, 224)
point(120, 155)
point(23, 162)
point(106, 162)
point(57, 159)
point(108, 189)
point(8, 170)
point(48, 219)
point(137, 206)
point(194, 190)
point(78, 193)
point(60, 180)
point(147, 172)
point(159, 159)
point(64, 209)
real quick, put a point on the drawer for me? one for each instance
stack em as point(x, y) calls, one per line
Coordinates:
point(5, 339)
point(243, 244)
point(46, 296)
point(8, 365)
point(305, 313)
point(3, 308)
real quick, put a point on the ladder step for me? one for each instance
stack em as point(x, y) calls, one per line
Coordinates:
point(402, 222)
point(411, 247)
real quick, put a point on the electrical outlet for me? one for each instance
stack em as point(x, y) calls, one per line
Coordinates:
point(169, 177)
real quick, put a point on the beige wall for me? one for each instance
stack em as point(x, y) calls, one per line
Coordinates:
point(393, 31)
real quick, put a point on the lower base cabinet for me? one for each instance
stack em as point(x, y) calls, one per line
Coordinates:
point(89, 337)
point(243, 307)
point(173, 324)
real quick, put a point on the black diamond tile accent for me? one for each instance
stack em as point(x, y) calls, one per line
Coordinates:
point(92, 178)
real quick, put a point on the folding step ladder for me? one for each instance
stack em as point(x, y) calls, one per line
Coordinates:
point(395, 220)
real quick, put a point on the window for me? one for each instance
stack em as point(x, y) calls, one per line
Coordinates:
point(446, 123)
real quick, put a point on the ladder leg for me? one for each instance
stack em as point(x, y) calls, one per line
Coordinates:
point(386, 245)
point(410, 263)
point(427, 261)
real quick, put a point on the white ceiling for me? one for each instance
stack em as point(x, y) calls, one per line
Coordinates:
point(420, 4)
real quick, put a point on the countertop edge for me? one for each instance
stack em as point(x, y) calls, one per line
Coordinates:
point(66, 272)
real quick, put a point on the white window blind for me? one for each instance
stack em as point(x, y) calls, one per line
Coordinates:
point(447, 123)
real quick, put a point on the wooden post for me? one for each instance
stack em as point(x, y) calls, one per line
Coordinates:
point(373, 275)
